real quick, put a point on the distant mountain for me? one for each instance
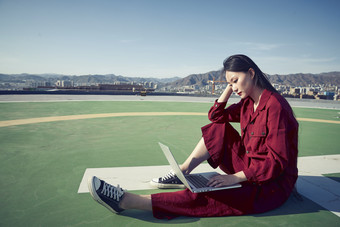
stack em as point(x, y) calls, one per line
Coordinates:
point(301, 79)
point(297, 80)
point(197, 79)
point(99, 79)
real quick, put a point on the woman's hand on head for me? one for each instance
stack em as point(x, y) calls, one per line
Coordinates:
point(226, 94)
point(229, 89)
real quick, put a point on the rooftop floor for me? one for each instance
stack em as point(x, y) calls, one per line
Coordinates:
point(43, 162)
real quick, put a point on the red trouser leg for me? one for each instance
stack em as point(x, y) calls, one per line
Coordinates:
point(228, 202)
point(224, 145)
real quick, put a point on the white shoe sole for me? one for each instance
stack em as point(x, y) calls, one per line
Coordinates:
point(167, 186)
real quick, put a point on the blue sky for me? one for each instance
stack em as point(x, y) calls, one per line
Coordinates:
point(155, 38)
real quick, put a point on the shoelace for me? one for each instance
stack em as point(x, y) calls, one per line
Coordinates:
point(112, 191)
point(171, 174)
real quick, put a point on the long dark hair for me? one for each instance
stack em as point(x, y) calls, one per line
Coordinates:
point(242, 63)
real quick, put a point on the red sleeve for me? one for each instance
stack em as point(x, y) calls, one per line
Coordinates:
point(273, 153)
point(218, 113)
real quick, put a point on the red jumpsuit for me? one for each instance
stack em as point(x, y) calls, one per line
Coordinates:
point(266, 151)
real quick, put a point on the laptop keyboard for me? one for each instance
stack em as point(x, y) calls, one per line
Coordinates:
point(197, 180)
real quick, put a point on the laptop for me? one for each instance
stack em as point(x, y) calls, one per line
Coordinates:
point(197, 182)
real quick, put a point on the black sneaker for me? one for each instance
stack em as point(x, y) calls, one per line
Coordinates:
point(107, 195)
point(168, 181)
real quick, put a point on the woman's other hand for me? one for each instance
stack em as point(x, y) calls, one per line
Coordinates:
point(226, 180)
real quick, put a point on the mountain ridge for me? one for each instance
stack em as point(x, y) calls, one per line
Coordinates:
point(91, 78)
point(201, 79)
point(296, 79)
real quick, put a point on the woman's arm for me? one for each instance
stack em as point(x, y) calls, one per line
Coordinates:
point(226, 94)
point(218, 113)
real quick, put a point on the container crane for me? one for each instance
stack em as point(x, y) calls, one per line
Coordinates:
point(213, 84)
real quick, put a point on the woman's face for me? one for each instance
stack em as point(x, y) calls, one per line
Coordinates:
point(242, 83)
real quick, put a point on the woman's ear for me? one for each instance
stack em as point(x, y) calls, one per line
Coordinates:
point(252, 73)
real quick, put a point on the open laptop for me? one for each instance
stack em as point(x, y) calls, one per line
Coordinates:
point(194, 182)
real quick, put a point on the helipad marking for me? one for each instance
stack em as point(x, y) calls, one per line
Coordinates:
point(90, 116)
point(129, 114)
point(311, 183)
point(317, 120)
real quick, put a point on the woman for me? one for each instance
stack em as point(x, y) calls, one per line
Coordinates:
point(263, 158)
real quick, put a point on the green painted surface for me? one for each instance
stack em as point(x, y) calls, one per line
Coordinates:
point(325, 114)
point(41, 165)
point(318, 138)
point(10, 111)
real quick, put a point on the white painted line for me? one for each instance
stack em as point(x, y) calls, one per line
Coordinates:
point(129, 114)
point(311, 183)
point(91, 116)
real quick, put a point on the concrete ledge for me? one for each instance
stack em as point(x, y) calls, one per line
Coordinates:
point(311, 183)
